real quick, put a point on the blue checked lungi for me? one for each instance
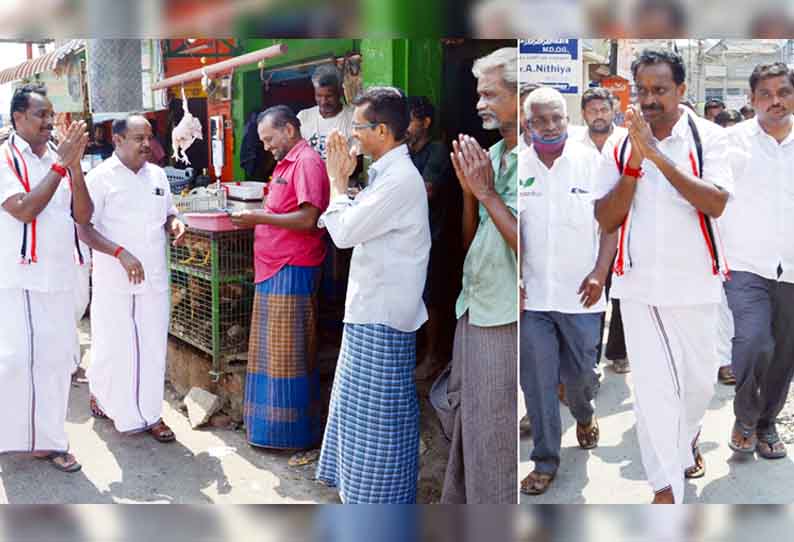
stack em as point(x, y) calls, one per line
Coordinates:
point(371, 445)
point(282, 388)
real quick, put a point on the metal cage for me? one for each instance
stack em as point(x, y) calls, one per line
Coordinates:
point(212, 292)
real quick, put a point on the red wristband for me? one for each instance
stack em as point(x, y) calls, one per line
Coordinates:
point(632, 172)
point(60, 170)
point(118, 251)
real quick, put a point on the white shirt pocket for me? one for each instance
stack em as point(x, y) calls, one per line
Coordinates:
point(579, 208)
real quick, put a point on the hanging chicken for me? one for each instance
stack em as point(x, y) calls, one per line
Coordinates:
point(185, 133)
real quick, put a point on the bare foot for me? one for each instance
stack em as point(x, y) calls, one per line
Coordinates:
point(664, 496)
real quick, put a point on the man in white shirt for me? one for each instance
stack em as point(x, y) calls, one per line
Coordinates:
point(669, 180)
point(598, 112)
point(758, 229)
point(565, 263)
point(601, 135)
point(42, 193)
point(133, 215)
point(371, 445)
point(329, 114)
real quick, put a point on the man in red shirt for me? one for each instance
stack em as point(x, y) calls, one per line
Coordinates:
point(282, 395)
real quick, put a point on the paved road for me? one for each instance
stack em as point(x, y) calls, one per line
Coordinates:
point(613, 472)
point(208, 465)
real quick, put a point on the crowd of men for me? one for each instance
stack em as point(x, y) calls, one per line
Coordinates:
point(123, 210)
point(686, 225)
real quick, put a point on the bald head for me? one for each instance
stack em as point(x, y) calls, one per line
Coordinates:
point(132, 137)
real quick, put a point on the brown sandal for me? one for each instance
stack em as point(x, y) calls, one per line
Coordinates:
point(536, 483)
point(588, 435)
point(63, 461)
point(161, 432)
point(725, 376)
point(96, 412)
point(698, 470)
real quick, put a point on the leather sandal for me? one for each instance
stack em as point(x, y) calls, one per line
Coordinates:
point(161, 432)
point(743, 439)
point(96, 412)
point(725, 376)
point(588, 435)
point(63, 461)
point(537, 483)
point(698, 470)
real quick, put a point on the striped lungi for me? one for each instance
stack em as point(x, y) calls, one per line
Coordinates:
point(282, 388)
point(371, 445)
point(482, 389)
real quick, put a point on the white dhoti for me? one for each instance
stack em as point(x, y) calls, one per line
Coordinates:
point(725, 331)
point(129, 343)
point(36, 361)
point(674, 367)
point(82, 295)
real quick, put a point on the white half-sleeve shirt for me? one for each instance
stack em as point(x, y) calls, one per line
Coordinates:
point(758, 226)
point(667, 261)
point(559, 232)
point(131, 210)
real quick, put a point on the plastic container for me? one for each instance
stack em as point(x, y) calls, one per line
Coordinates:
point(212, 221)
point(245, 190)
point(179, 179)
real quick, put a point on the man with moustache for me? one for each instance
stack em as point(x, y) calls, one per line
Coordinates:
point(329, 114)
point(668, 181)
point(371, 444)
point(713, 108)
point(598, 112)
point(42, 193)
point(482, 383)
point(564, 267)
point(758, 228)
point(282, 392)
point(133, 216)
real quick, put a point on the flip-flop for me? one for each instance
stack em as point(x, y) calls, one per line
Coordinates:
point(304, 458)
point(67, 465)
point(768, 439)
point(746, 433)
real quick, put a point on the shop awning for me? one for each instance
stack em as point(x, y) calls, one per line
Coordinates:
point(48, 62)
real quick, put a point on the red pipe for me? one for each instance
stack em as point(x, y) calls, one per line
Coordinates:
point(221, 67)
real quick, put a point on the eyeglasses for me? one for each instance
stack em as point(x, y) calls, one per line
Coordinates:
point(360, 126)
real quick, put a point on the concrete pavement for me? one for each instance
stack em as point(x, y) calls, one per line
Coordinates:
point(613, 472)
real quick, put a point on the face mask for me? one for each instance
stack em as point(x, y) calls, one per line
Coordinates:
point(549, 146)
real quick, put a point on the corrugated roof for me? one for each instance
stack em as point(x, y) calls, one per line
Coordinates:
point(44, 63)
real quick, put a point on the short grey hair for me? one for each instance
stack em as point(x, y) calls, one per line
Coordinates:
point(505, 58)
point(544, 96)
point(327, 75)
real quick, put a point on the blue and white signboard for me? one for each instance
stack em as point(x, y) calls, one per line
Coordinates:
point(552, 63)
